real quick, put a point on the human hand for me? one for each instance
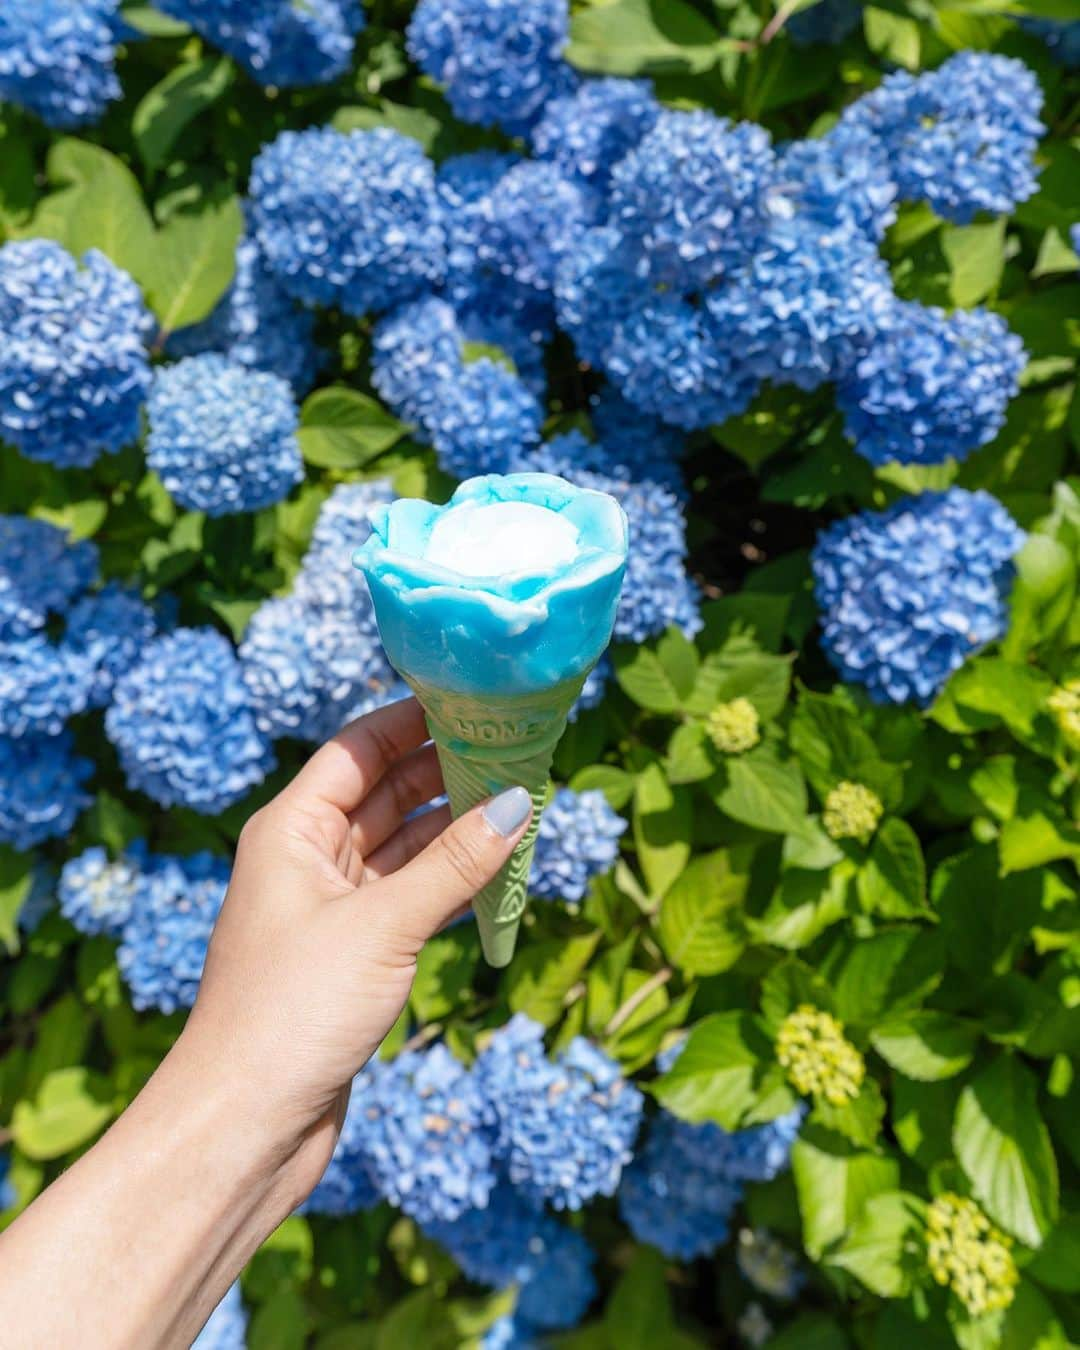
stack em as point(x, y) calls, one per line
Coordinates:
point(332, 896)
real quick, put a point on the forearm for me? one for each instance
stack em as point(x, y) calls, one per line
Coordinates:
point(137, 1242)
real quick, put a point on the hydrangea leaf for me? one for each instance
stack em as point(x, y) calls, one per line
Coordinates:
point(883, 974)
point(1004, 1148)
point(976, 256)
point(927, 1045)
point(700, 916)
point(892, 881)
point(193, 264)
point(718, 1073)
point(541, 973)
point(631, 38)
point(165, 110)
point(70, 1107)
point(343, 429)
point(834, 1180)
point(662, 828)
point(761, 790)
point(881, 1247)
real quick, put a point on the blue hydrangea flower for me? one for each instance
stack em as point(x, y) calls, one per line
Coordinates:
point(343, 523)
point(226, 1328)
point(909, 593)
point(656, 591)
point(96, 894)
point(349, 219)
point(346, 1186)
point(962, 137)
point(565, 1128)
point(41, 572)
point(1062, 37)
point(842, 179)
point(806, 304)
point(482, 421)
point(578, 839)
point(257, 325)
point(428, 1136)
point(829, 21)
point(41, 788)
point(500, 60)
point(932, 386)
point(633, 445)
point(183, 724)
point(106, 633)
point(41, 686)
point(533, 217)
point(163, 945)
point(73, 365)
point(586, 133)
point(57, 58)
point(278, 42)
point(223, 438)
point(690, 193)
point(510, 1241)
point(416, 351)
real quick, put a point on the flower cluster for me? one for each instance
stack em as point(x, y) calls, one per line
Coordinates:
point(734, 727)
point(511, 1242)
point(57, 58)
point(966, 1253)
point(818, 1059)
point(500, 60)
point(312, 660)
point(222, 437)
point(41, 788)
point(97, 895)
point(852, 811)
point(348, 218)
point(41, 686)
point(564, 1128)
point(183, 723)
point(908, 593)
point(41, 573)
point(578, 839)
point(931, 385)
point(1064, 704)
point(586, 132)
point(278, 42)
point(961, 137)
point(73, 364)
point(105, 634)
point(256, 324)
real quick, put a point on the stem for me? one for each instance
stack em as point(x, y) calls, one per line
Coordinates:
point(777, 22)
point(623, 1013)
point(422, 1037)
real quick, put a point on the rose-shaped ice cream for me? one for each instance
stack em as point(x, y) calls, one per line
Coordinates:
point(485, 596)
point(494, 608)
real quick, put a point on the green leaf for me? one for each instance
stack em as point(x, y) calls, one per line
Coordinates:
point(1038, 834)
point(1056, 1264)
point(926, 1045)
point(1004, 1148)
point(413, 122)
point(763, 791)
point(343, 429)
point(643, 37)
point(16, 878)
point(689, 757)
point(280, 1323)
point(165, 110)
point(717, 1074)
point(70, 1108)
point(700, 926)
point(976, 257)
point(193, 264)
point(662, 828)
point(892, 881)
point(803, 906)
point(991, 690)
point(810, 1331)
point(638, 1315)
point(922, 1115)
point(643, 677)
point(151, 23)
point(883, 974)
point(616, 784)
point(832, 745)
point(444, 973)
point(741, 670)
point(858, 1120)
point(892, 36)
point(834, 1180)
point(880, 1248)
point(542, 973)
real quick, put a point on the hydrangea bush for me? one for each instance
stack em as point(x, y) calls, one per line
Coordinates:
point(786, 1056)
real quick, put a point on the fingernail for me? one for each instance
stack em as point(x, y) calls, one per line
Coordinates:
point(508, 811)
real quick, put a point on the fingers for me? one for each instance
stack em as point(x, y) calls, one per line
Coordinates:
point(409, 783)
point(402, 847)
point(458, 862)
point(346, 769)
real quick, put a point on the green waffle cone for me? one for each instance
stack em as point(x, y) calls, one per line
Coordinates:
point(485, 745)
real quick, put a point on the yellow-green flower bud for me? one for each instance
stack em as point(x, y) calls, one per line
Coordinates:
point(852, 811)
point(817, 1057)
point(1064, 703)
point(734, 727)
point(968, 1254)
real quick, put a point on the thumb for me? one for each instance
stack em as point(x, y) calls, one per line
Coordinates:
point(456, 865)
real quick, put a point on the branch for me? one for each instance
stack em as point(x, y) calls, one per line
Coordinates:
point(623, 1013)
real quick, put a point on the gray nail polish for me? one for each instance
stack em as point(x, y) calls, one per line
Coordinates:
point(508, 810)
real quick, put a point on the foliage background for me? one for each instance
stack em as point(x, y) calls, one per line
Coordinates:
point(948, 948)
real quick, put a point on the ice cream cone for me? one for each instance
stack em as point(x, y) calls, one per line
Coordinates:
point(486, 743)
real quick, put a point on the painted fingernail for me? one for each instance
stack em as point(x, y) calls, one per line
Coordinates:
point(508, 811)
